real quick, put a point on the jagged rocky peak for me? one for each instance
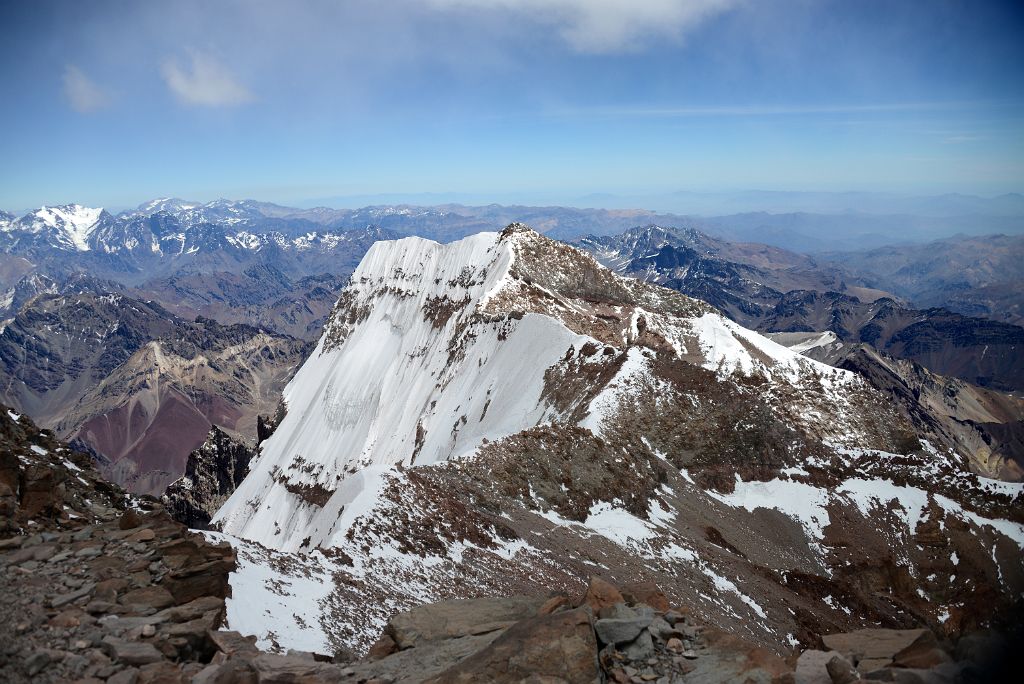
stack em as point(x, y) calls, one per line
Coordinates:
point(212, 472)
point(434, 350)
point(46, 481)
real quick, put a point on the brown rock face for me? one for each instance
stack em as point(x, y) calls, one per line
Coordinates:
point(601, 594)
point(150, 597)
point(923, 654)
point(454, 619)
point(872, 649)
point(383, 647)
point(556, 648)
point(646, 592)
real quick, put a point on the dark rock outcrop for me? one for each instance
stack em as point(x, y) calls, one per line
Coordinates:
point(212, 473)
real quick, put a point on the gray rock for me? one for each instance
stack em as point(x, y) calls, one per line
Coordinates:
point(872, 649)
point(620, 631)
point(283, 668)
point(811, 667)
point(449, 619)
point(559, 647)
point(644, 610)
point(64, 599)
point(641, 648)
point(427, 660)
point(131, 652)
point(127, 676)
point(233, 671)
point(660, 629)
point(89, 552)
point(12, 543)
point(841, 670)
point(618, 611)
point(37, 662)
point(673, 617)
point(230, 643)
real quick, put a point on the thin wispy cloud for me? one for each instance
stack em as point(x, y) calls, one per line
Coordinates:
point(961, 138)
point(204, 81)
point(607, 26)
point(766, 110)
point(82, 93)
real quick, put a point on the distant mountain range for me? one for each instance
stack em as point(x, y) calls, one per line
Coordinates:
point(977, 276)
point(772, 290)
point(138, 384)
point(92, 303)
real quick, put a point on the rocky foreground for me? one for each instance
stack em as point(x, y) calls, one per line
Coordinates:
point(138, 599)
point(98, 586)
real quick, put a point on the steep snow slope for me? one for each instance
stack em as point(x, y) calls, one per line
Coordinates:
point(389, 390)
point(435, 349)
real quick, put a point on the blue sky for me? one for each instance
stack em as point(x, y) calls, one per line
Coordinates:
point(113, 103)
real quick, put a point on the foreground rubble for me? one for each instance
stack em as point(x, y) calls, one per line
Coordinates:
point(98, 586)
point(134, 597)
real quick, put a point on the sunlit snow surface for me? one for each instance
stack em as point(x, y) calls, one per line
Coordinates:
point(390, 385)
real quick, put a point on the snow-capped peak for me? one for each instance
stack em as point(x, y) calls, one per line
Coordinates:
point(435, 349)
point(72, 223)
point(168, 204)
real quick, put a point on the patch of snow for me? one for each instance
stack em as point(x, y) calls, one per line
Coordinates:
point(277, 596)
point(629, 379)
point(803, 502)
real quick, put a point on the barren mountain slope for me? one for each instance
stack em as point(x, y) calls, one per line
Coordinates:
point(985, 425)
point(138, 384)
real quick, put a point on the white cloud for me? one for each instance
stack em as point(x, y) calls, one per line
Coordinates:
point(82, 92)
point(605, 26)
point(205, 82)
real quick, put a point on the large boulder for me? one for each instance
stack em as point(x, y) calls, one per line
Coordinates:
point(453, 619)
point(558, 648)
point(601, 594)
point(872, 649)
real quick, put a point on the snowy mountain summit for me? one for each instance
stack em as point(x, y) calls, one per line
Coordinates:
point(70, 225)
point(504, 414)
point(434, 350)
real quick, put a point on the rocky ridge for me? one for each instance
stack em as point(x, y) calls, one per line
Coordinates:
point(772, 290)
point(212, 473)
point(983, 424)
